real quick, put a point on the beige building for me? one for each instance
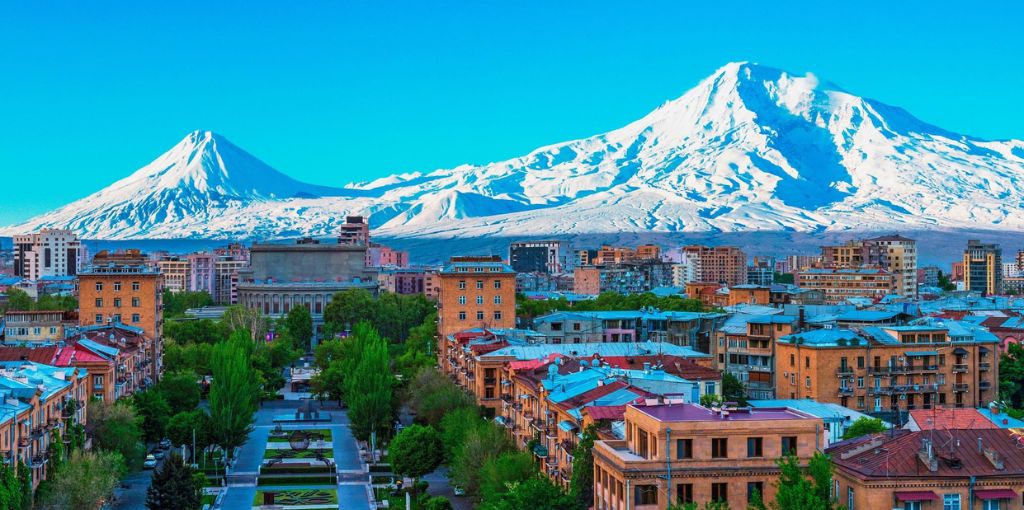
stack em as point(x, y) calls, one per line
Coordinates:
point(49, 252)
point(718, 264)
point(475, 292)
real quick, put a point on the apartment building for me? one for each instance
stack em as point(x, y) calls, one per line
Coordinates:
point(632, 277)
point(687, 329)
point(952, 469)
point(177, 272)
point(475, 292)
point(34, 327)
point(409, 281)
point(380, 256)
point(129, 295)
point(726, 265)
point(546, 256)
point(49, 252)
point(983, 268)
point(685, 453)
point(839, 285)
point(881, 370)
point(355, 231)
point(745, 348)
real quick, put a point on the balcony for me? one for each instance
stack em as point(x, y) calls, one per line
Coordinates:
point(490, 381)
point(985, 385)
point(845, 392)
point(505, 397)
point(37, 461)
point(23, 442)
point(885, 370)
point(844, 371)
point(960, 387)
point(984, 366)
point(960, 368)
point(922, 368)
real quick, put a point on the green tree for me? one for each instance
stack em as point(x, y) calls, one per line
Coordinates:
point(733, 389)
point(175, 303)
point(86, 481)
point(55, 454)
point(233, 395)
point(250, 320)
point(18, 300)
point(346, 309)
point(800, 490)
point(56, 302)
point(437, 503)
point(416, 451)
point(483, 443)
point(174, 487)
point(1011, 375)
point(116, 428)
point(945, 284)
point(180, 390)
point(154, 410)
point(368, 391)
point(581, 485)
point(181, 426)
point(864, 426)
point(455, 427)
point(537, 492)
point(431, 396)
point(710, 400)
point(784, 278)
point(299, 323)
point(499, 473)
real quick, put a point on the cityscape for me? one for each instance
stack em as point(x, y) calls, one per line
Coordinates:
point(524, 257)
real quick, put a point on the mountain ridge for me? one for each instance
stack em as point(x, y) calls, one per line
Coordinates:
point(750, 147)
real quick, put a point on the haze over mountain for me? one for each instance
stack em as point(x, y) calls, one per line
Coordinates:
point(750, 148)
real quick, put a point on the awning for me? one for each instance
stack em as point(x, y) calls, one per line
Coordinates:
point(922, 353)
point(916, 496)
point(540, 450)
point(567, 425)
point(995, 494)
point(500, 420)
point(960, 351)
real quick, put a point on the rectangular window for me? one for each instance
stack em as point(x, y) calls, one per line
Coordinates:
point(99, 302)
point(719, 448)
point(479, 300)
point(479, 315)
point(135, 318)
point(646, 495)
point(135, 286)
point(950, 502)
point(489, 392)
point(99, 318)
point(788, 445)
point(497, 300)
point(684, 493)
point(117, 286)
point(479, 284)
point(462, 300)
point(755, 492)
point(754, 447)
point(462, 316)
point(117, 302)
point(849, 498)
point(992, 504)
point(462, 284)
point(720, 492)
point(684, 448)
point(497, 284)
point(497, 315)
point(912, 505)
point(99, 286)
point(135, 302)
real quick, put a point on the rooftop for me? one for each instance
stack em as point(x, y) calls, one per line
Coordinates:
point(824, 410)
point(941, 418)
point(696, 413)
point(536, 351)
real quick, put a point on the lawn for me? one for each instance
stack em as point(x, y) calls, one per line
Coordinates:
point(326, 433)
point(296, 454)
point(300, 497)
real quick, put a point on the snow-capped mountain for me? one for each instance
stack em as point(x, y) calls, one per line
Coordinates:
point(749, 148)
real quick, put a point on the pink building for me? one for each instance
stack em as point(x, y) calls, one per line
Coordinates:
point(381, 256)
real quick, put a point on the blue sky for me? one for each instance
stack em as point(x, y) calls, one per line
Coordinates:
point(331, 92)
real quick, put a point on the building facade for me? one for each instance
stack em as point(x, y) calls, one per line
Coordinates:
point(983, 268)
point(548, 257)
point(476, 292)
point(718, 264)
point(839, 285)
point(49, 252)
point(355, 231)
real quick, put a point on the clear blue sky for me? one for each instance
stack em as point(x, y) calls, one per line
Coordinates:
point(331, 92)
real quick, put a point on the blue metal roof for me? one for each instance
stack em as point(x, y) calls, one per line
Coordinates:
point(866, 315)
point(824, 337)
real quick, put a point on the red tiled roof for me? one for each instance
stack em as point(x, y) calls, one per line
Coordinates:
point(533, 364)
point(80, 353)
point(43, 355)
point(942, 418)
point(605, 412)
point(956, 449)
point(486, 348)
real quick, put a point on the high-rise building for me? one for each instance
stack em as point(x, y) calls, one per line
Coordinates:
point(893, 253)
point(177, 272)
point(718, 264)
point(983, 267)
point(761, 271)
point(476, 292)
point(838, 285)
point(49, 252)
point(355, 231)
point(538, 257)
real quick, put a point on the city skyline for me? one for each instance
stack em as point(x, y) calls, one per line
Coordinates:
point(304, 91)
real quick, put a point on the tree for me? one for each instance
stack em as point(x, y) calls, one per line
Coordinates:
point(1011, 375)
point(504, 470)
point(174, 487)
point(346, 309)
point(581, 486)
point(299, 323)
point(55, 455)
point(152, 407)
point(483, 442)
point(233, 395)
point(181, 426)
point(797, 490)
point(783, 277)
point(437, 503)
point(864, 426)
point(86, 481)
point(537, 493)
point(18, 300)
point(431, 396)
point(180, 390)
point(175, 303)
point(710, 400)
point(945, 284)
point(416, 451)
point(240, 318)
point(368, 390)
point(455, 427)
point(56, 302)
point(733, 389)
point(116, 428)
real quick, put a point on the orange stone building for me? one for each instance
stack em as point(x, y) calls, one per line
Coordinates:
point(474, 292)
point(682, 453)
point(125, 293)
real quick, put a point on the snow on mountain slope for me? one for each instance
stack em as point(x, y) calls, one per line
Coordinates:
point(749, 148)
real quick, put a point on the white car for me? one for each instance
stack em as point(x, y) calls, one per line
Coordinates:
point(459, 491)
point(150, 462)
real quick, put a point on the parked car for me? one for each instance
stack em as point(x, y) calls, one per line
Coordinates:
point(158, 454)
point(459, 491)
point(165, 444)
point(150, 462)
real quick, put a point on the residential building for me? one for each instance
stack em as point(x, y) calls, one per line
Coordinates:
point(225, 277)
point(421, 280)
point(886, 370)
point(379, 256)
point(475, 292)
point(688, 329)
point(749, 294)
point(745, 348)
point(33, 327)
point(355, 231)
point(957, 469)
point(928, 276)
point(983, 268)
point(547, 257)
point(839, 285)
point(177, 271)
point(761, 272)
point(836, 418)
point(49, 252)
point(624, 278)
point(685, 453)
point(726, 265)
point(707, 292)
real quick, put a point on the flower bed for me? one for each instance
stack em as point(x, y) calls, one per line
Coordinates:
point(296, 454)
point(326, 433)
point(296, 480)
point(300, 497)
point(303, 468)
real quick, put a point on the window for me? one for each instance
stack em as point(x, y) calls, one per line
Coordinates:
point(462, 300)
point(755, 492)
point(97, 381)
point(992, 504)
point(489, 392)
point(135, 286)
point(479, 300)
point(135, 302)
point(684, 449)
point(480, 284)
point(860, 382)
point(135, 318)
point(684, 493)
point(788, 445)
point(117, 286)
point(709, 388)
point(497, 315)
point(37, 331)
point(792, 360)
point(462, 316)
point(754, 447)
point(99, 286)
point(497, 284)
point(912, 505)
point(719, 448)
point(807, 362)
point(462, 284)
point(99, 302)
point(860, 361)
point(849, 498)
point(117, 302)
point(99, 318)
point(808, 382)
point(497, 300)
point(646, 495)
point(117, 318)
point(950, 502)
point(479, 315)
point(720, 492)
